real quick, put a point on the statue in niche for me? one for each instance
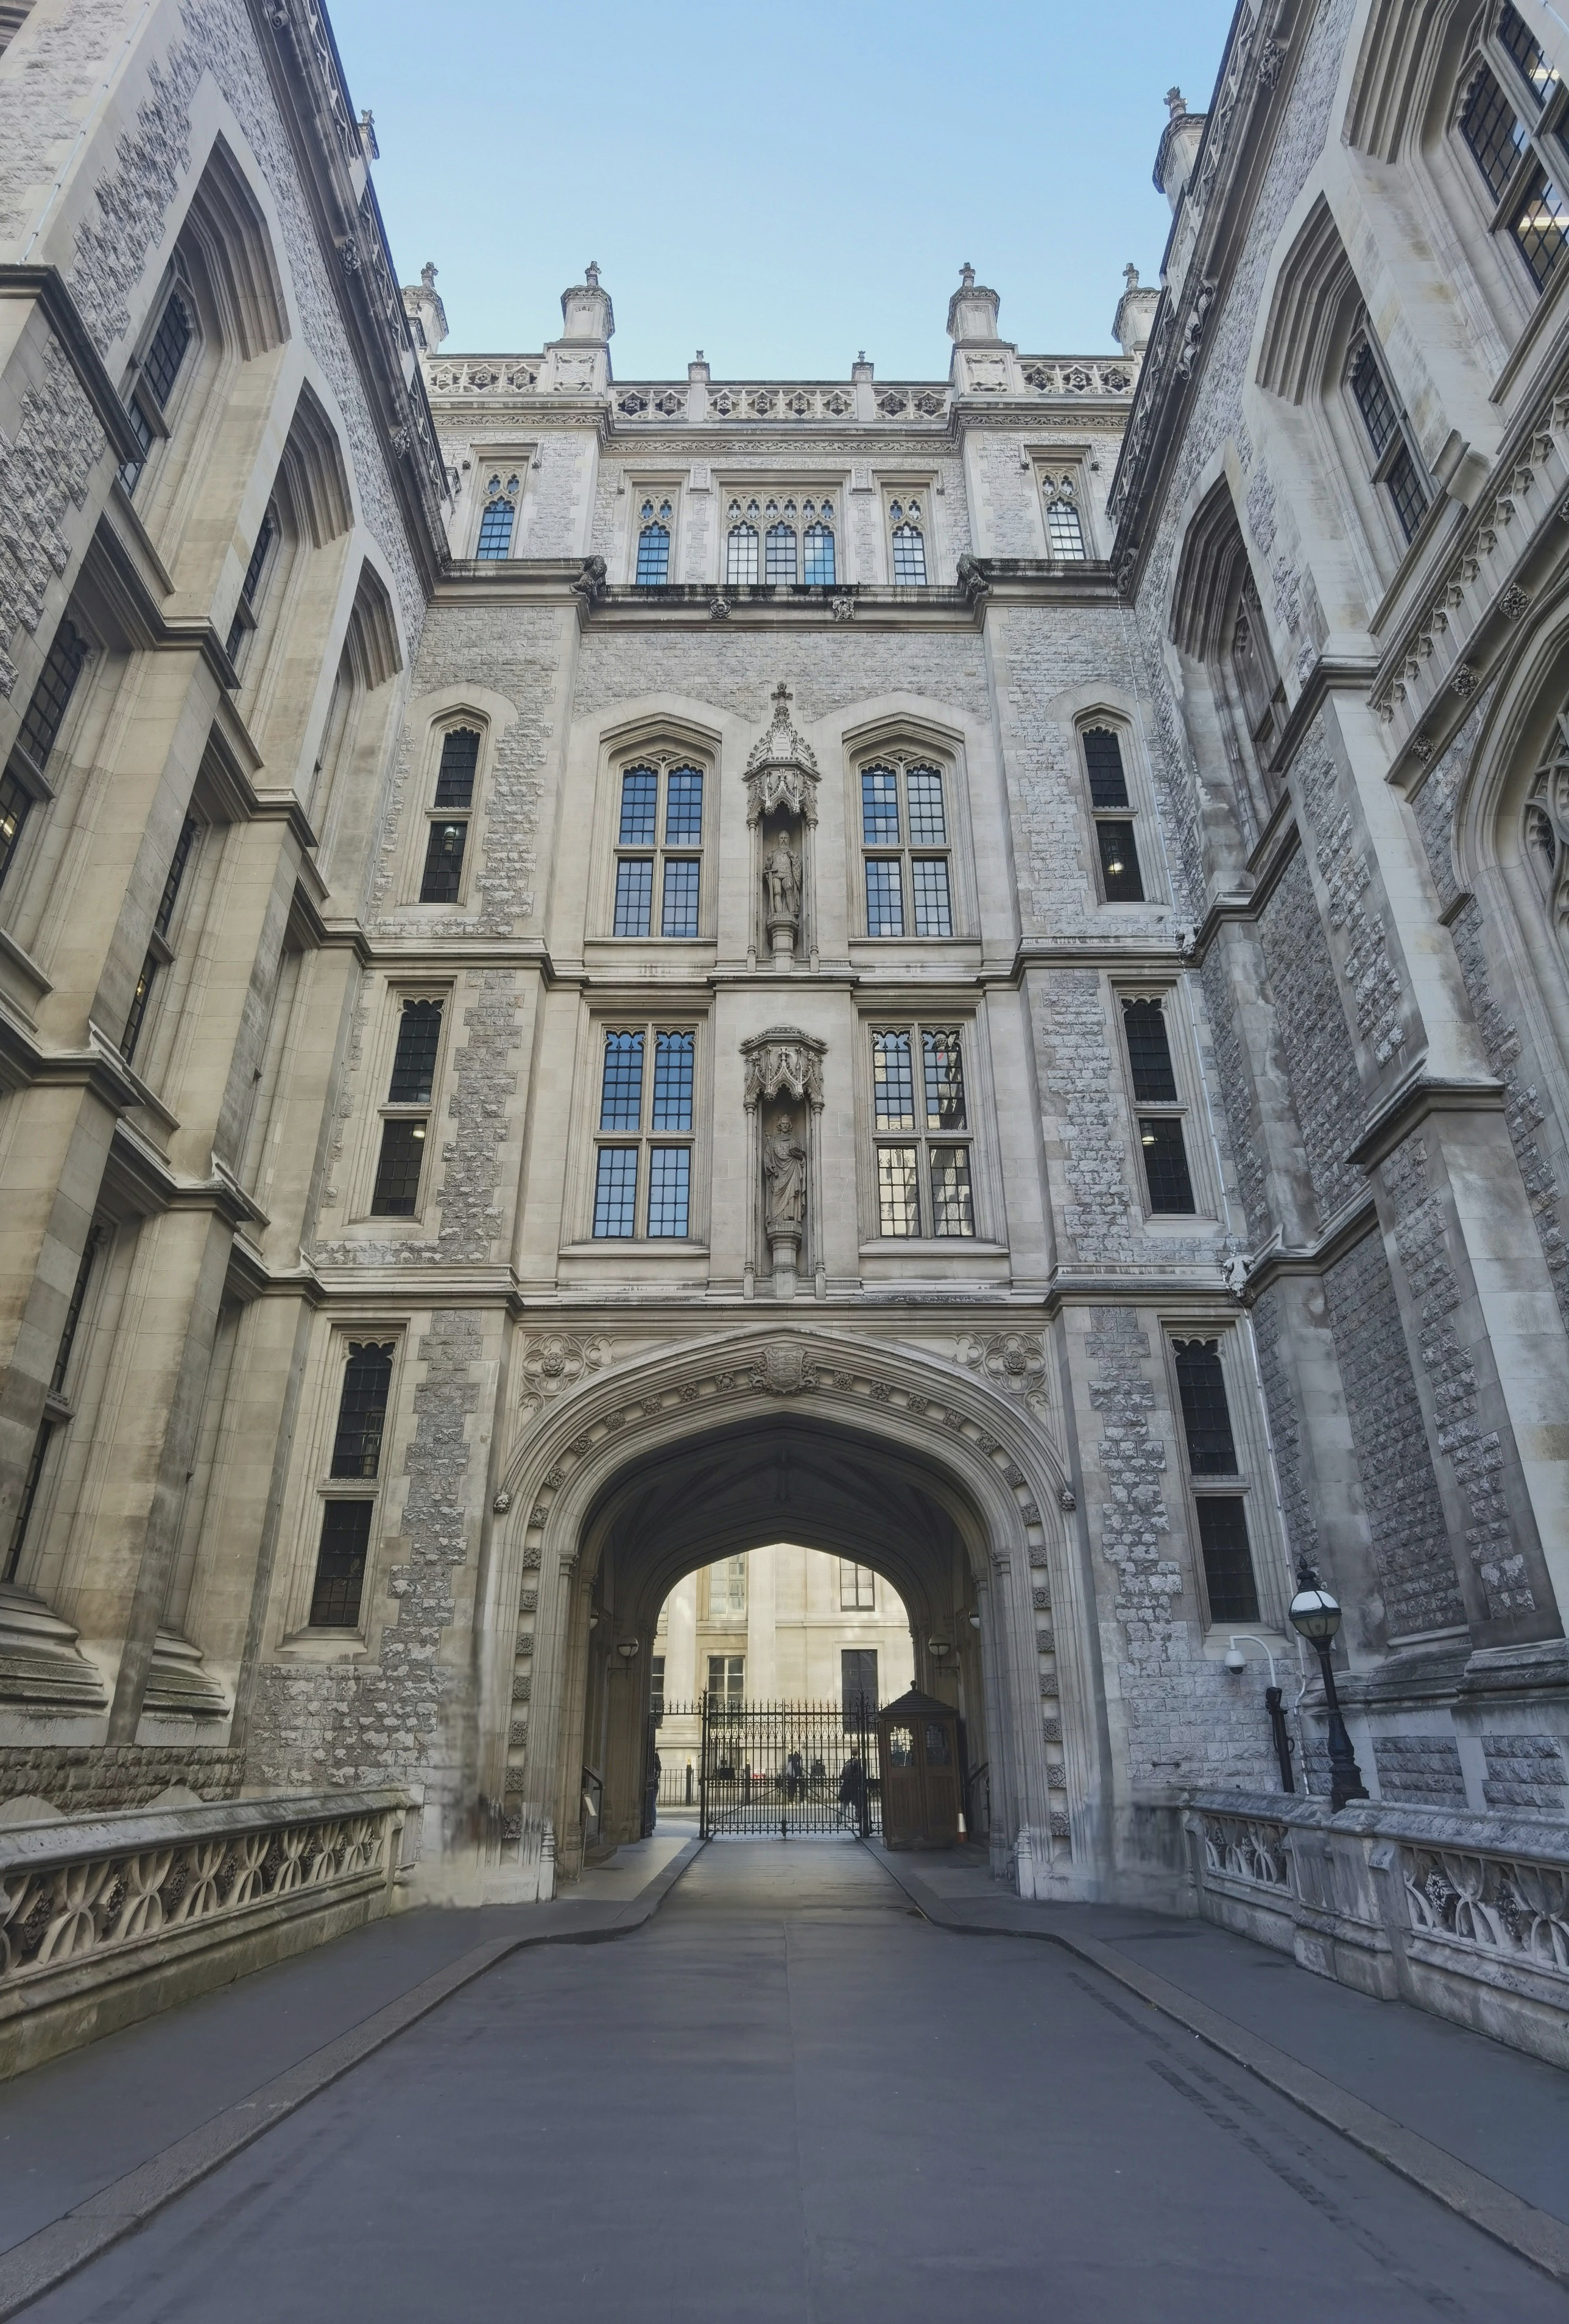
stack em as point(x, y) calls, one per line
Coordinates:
point(781, 885)
point(784, 1170)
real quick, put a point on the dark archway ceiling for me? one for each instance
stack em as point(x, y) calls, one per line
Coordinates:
point(786, 1480)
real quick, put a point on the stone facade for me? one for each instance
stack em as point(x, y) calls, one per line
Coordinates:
point(969, 974)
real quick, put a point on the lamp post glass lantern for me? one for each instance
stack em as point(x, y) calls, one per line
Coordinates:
point(1315, 1616)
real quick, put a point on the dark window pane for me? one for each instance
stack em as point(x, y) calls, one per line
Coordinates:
point(945, 1084)
point(1165, 1163)
point(459, 760)
point(264, 539)
point(1373, 399)
point(933, 910)
point(1489, 127)
point(444, 864)
point(51, 697)
point(884, 897)
point(1118, 863)
point(142, 428)
point(15, 807)
point(879, 806)
point(397, 1187)
point(164, 914)
point(1205, 1417)
point(953, 1200)
point(679, 915)
point(1407, 492)
point(683, 807)
point(621, 1090)
point(1541, 226)
point(414, 1063)
point(634, 893)
point(496, 529)
point(1522, 45)
point(673, 1060)
point(654, 555)
point(893, 1082)
point(29, 1485)
point(669, 1189)
point(741, 557)
point(362, 1408)
point(73, 1314)
point(161, 367)
point(136, 1015)
point(858, 1682)
point(615, 1190)
point(340, 1564)
point(1148, 1053)
point(639, 802)
point(1228, 1564)
point(819, 545)
point(1103, 765)
point(781, 566)
point(909, 555)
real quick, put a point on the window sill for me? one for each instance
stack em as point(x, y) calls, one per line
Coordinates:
point(323, 1646)
point(644, 1247)
point(932, 1247)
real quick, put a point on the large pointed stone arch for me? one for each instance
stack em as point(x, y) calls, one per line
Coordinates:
point(970, 1435)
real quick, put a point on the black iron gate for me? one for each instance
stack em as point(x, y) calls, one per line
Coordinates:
point(781, 1769)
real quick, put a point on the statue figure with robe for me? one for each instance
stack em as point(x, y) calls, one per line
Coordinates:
point(784, 1170)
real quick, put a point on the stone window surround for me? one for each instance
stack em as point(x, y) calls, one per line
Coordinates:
point(679, 1007)
point(1252, 1483)
point(1140, 812)
point(296, 1641)
point(1349, 471)
point(898, 485)
point(662, 744)
point(46, 784)
point(1493, 216)
point(379, 1053)
point(774, 481)
point(1047, 462)
point(163, 419)
point(657, 485)
point(940, 1008)
point(516, 456)
point(910, 739)
point(411, 870)
point(1190, 1109)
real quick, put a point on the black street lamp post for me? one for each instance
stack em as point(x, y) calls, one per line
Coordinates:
point(1316, 1615)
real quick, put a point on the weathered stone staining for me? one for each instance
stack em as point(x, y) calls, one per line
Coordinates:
point(598, 974)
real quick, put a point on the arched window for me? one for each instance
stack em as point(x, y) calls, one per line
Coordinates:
point(447, 837)
point(781, 555)
point(908, 546)
point(818, 544)
point(648, 864)
point(741, 556)
point(1544, 820)
point(1065, 533)
point(1388, 434)
point(155, 378)
point(907, 847)
point(1116, 843)
point(653, 545)
point(501, 516)
point(245, 612)
point(1257, 682)
point(1512, 121)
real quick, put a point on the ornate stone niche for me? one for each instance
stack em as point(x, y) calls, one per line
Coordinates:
point(781, 813)
point(783, 1096)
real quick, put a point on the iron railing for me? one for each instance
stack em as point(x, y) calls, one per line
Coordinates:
point(787, 1769)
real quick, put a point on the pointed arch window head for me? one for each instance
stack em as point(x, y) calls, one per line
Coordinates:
point(653, 544)
point(741, 556)
point(1514, 121)
point(819, 545)
point(1111, 808)
point(649, 861)
point(1065, 528)
point(908, 544)
point(148, 406)
point(781, 556)
point(1389, 437)
point(499, 521)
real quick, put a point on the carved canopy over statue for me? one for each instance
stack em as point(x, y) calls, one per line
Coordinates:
point(783, 1061)
point(781, 768)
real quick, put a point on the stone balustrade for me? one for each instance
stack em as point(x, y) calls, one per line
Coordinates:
point(105, 1920)
point(1463, 1914)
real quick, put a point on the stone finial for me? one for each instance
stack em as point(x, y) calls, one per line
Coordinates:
point(1176, 104)
point(1135, 317)
point(423, 307)
point(1179, 143)
point(967, 276)
point(972, 309)
point(586, 314)
point(591, 274)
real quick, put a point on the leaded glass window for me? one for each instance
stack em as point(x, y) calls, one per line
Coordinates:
point(1230, 1584)
point(362, 1408)
point(741, 556)
point(1514, 122)
point(909, 555)
point(649, 790)
point(341, 1558)
point(817, 544)
point(1207, 1416)
point(496, 529)
point(1388, 434)
point(414, 1058)
point(904, 812)
point(158, 955)
point(1064, 535)
point(1153, 1076)
point(925, 1176)
point(615, 1192)
point(655, 519)
point(20, 785)
point(641, 1108)
point(780, 568)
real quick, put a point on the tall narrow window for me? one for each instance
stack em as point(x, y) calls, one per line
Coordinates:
point(645, 1113)
point(498, 519)
point(1160, 1134)
point(781, 556)
point(245, 612)
point(1254, 681)
point(57, 1407)
point(741, 556)
point(1116, 844)
point(343, 1546)
point(158, 955)
point(1388, 434)
point(924, 1179)
point(817, 545)
point(857, 1588)
point(1230, 1584)
point(26, 779)
point(907, 542)
point(727, 1590)
point(406, 1115)
point(659, 858)
point(1064, 531)
point(1514, 122)
point(447, 834)
point(1205, 1415)
point(161, 366)
point(858, 1684)
point(904, 830)
point(653, 544)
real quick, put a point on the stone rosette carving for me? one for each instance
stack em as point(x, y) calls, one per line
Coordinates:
point(557, 1360)
point(1014, 1361)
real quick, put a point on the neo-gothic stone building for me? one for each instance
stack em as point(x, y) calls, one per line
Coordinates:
point(968, 972)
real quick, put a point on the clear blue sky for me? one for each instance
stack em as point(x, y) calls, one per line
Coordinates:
point(778, 187)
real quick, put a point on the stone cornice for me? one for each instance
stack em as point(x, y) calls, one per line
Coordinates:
point(1345, 1231)
point(1405, 1108)
point(118, 565)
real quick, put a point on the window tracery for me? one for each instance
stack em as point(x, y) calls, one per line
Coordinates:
point(797, 536)
point(655, 519)
point(499, 521)
point(1065, 528)
point(1513, 121)
point(908, 542)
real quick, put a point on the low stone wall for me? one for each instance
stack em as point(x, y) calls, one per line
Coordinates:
point(1463, 1914)
point(106, 1919)
point(88, 1778)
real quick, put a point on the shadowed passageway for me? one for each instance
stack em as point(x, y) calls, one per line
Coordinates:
point(790, 2098)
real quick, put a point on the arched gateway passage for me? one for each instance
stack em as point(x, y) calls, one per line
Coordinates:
point(947, 1488)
